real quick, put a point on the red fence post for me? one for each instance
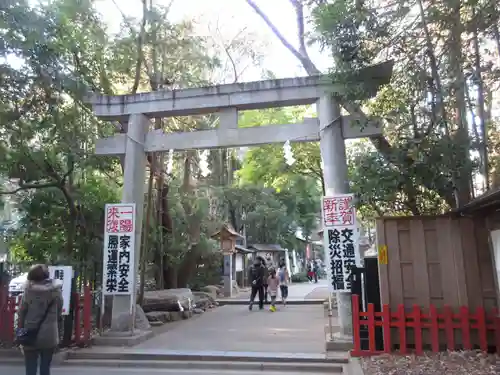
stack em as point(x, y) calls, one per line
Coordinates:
point(434, 317)
point(87, 314)
point(356, 326)
point(449, 328)
point(77, 325)
point(11, 312)
point(387, 323)
point(417, 329)
point(481, 328)
point(371, 328)
point(402, 329)
point(465, 326)
point(496, 326)
point(4, 295)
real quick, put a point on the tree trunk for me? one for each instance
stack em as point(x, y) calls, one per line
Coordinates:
point(170, 275)
point(192, 256)
point(461, 169)
point(483, 145)
point(145, 233)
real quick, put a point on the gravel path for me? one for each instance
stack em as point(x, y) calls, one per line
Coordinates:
point(447, 363)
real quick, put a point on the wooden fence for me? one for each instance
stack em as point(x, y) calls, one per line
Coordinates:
point(435, 261)
point(473, 329)
point(82, 327)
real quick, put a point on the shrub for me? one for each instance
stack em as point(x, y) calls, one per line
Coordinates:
point(300, 277)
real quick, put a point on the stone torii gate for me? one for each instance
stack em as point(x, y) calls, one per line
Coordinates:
point(330, 128)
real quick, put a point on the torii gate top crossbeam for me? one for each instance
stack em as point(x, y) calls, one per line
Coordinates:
point(242, 96)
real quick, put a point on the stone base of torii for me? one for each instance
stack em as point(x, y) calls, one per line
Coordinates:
point(330, 128)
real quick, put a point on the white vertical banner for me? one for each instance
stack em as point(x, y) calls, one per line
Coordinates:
point(63, 276)
point(340, 236)
point(119, 249)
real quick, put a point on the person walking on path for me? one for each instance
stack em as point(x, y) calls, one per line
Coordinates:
point(284, 279)
point(266, 276)
point(273, 283)
point(257, 273)
point(310, 272)
point(41, 308)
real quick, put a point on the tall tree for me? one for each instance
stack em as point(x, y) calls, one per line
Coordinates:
point(426, 109)
point(53, 55)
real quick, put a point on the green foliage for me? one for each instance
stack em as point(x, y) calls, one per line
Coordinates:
point(208, 271)
point(266, 165)
point(291, 195)
point(300, 277)
point(181, 239)
point(434, 109)
point(47, 132)
point(41, 233)
point(173, 57)
point(349, 30)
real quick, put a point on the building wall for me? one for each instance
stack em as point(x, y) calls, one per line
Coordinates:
point(436, 260)
point(275, 256)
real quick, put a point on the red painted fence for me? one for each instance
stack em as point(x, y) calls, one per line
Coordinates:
point(82, 327)
point(440, 327)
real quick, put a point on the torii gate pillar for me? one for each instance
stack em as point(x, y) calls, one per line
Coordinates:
point(133, 192)
point(333, 154)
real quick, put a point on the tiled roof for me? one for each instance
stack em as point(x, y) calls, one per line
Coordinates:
point(266, 247)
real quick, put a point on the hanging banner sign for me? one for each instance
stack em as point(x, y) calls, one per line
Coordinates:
point(118, 256)
point(63, 276)
point(340, 240)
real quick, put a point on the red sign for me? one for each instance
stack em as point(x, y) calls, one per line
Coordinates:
point(339, 211)
point(119, 219)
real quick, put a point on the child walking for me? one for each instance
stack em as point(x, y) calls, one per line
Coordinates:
point(284, 279)
point(273, 284)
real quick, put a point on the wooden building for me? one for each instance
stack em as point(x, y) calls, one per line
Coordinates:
point(272, 253)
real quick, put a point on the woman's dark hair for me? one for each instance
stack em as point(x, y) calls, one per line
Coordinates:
point(38, 273)
point(273, 273)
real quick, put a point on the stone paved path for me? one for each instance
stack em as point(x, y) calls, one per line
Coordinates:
point(297, 291)
point(294, 329)
point(19, 370)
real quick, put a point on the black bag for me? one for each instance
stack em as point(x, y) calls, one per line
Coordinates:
point(27, 337)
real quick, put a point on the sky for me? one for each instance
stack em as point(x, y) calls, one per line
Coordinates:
point(232, 16)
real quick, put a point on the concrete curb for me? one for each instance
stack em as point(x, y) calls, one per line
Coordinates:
point(206, 356)
point(60, 358)
point(213, 365)
point(15, 357)
point(108, 339)
point(337, 346)
point(244, 302)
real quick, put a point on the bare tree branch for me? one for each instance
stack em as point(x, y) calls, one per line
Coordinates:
point(299, 11)
point(233, 64)
point(306, 62)
point(140, 43)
